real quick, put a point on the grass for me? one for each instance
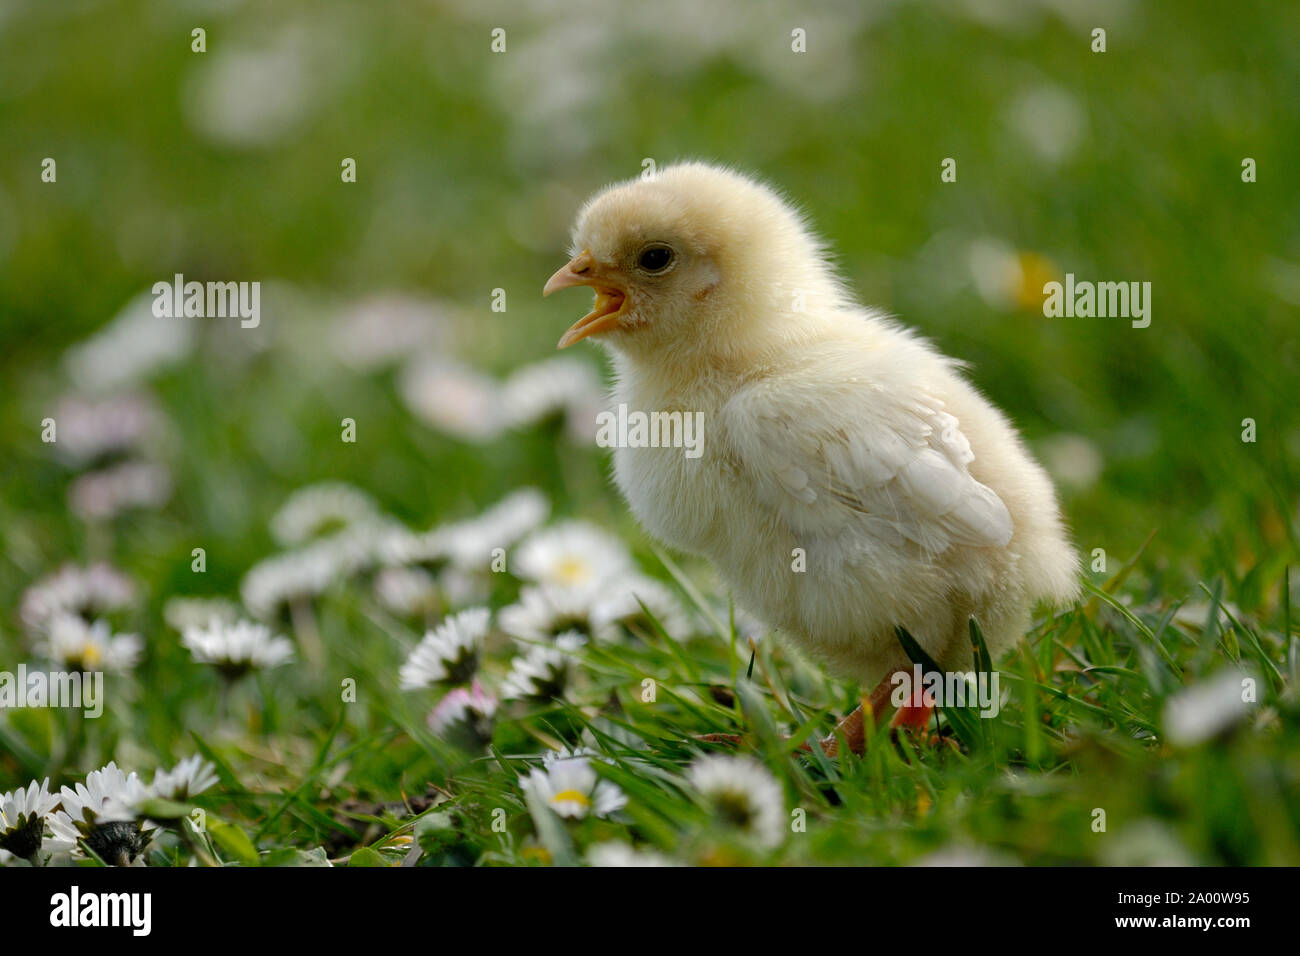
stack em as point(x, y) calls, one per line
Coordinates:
point(463, 189)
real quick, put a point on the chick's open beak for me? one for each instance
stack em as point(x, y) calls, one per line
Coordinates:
point(610, 298)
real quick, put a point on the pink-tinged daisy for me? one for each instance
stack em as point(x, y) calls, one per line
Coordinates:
point(464, 716)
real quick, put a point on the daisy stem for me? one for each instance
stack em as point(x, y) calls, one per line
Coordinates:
point(304, 626)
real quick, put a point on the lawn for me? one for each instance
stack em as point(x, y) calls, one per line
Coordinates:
point(339, 473)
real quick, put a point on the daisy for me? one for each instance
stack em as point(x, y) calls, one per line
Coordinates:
point(449, 653)
point(543, 672)
point(569, 785)
point(558, 386)
point(571, 554)
point(191, 776)
point(452, 398)
point(617, 853)
point(545, 612)
point(98, 589)
point(316, 509)
point(183, 613)
point(132, 346)
point(283, 578)
point(102, 812)
point(743, 794)
point(407, 592)
point(22, 818)
point(104, 494)
point(469, 544)
point(621, 603)
point(76, 645)
point(235, 649)
point(95, 428)
point(384, 329)
point(1206, 709)
point(464, 716)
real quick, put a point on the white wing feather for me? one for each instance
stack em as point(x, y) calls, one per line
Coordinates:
point(897, 465)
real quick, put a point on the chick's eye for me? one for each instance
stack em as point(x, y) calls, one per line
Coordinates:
point(655, 258)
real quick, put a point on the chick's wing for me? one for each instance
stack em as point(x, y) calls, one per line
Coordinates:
point(889, 462)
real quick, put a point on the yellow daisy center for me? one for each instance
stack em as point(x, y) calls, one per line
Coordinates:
point(577, 796)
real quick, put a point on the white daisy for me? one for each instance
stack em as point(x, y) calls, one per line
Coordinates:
point(464, 716)
point(571, 554)
point(545, 612)
point(743, 794)
point(191, 776)
point(453, 398)
point(74, 644)
point(449, 653)
point(104, 494)
point(235, 649)
point(94, 428)
point(98, 589)
point(102, 812)
point(131, 347)
point(323, 507)
point(564, 386)
point(182, 613)
point(569, 785)
point(616, 853)
point(1207, 708)
point(407, 592)
point(22, 818)
point(469, 544)
point(621, 602)
point(383, 329)
point(542, 672)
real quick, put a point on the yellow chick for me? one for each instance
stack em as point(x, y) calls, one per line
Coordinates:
point(849, 478)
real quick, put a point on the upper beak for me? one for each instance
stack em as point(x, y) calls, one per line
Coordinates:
point(610, 297)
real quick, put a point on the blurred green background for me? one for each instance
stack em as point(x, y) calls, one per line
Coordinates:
point(225, 165)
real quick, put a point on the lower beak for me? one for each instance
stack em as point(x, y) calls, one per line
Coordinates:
point(610, 299)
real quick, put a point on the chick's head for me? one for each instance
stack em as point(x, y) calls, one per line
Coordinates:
point(692, 258)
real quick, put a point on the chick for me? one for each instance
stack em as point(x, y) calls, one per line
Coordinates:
point(851, 479)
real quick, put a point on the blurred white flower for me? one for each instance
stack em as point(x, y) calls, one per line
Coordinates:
point(182, 613)
point(571, 554)
point(132, 346)
point(384, 329)
point(97, 589)
point(323, 507)
point(1049, 120)
point(615, 853)
point(252, 97)
point(235, 649)
point(448, 653)
point(73, 643)
point(620, 602)
point(547, 611)
point(469, 544)
point(22, 818)
point(104, 494)
point(742, 794)
point(542, 672)
point(569, 785)
point(1071, 459)
point(1208, 708)
point(191, 776)
point(91, 428)
point(464, 716)
point(407, 592)
point(557, 386)
point(453, 398)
